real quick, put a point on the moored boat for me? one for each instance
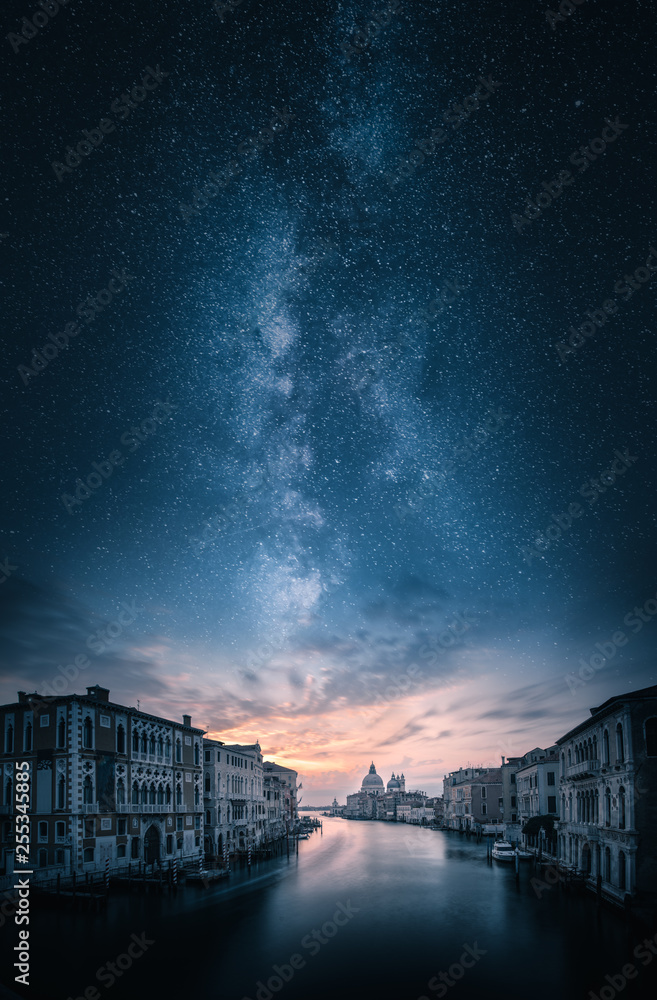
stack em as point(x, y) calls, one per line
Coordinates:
point(504, 851)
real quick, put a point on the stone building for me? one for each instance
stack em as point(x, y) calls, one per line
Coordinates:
point(234, 797)
point(472, 797)
point(608, 807)
point(108, 782)
point(537, 781)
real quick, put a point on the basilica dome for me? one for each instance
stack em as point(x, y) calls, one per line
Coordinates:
point(372, 783)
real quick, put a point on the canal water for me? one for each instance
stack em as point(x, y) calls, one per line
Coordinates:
point(366, 910)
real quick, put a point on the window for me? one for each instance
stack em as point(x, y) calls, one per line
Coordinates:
point(144, 795)
point(44, 721)
point(61, 793)
point(87, 791)
point(607, 808)
point(152, 795)
point(605, 747)
point(160, 795)
point(514, 801)
point(89, 828)
point(513, 779)
point(207, 783)
point(121, 827)
point(134, 847)
point(552, 804)
point(61, 732)
point(179, 823)
point(167, 748)
point(135, 793)
point(151, 745)
point(88, 854)
point(208, 817)
point(197, 758)
point(218, 756)
point(197, 797)
point(622, 870)
point(178, 751)
point(120, 792)
point(483, 793)
point(143, 743)
point(651, 737)
point(169, 843)
point(28, 737)
point(620, 744)
point(607, 864)
point(197, 822)
point(43, 832)
point(60, 830)
point(550, 777)
point(483, 808)
point(87, 734)
point(9, 739)
point(135, 741)
point(206, 756)
point(120, 739)
point(178, 795)
point(159, 747)
point(120, 851)
point(621, 808)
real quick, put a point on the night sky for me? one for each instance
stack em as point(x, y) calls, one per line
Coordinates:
point(326, 363)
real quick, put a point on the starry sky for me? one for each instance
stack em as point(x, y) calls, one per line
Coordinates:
point(331, 377)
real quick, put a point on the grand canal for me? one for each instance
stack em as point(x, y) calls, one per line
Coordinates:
point(363, 910)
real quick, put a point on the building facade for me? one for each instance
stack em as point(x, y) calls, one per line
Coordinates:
point(472, 797)
point(608, 808)
point(107, 782)
point(234, 797)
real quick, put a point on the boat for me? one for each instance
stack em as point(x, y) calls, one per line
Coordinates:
point(504, 851)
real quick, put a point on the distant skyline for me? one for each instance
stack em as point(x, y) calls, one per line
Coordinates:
point(315, 466)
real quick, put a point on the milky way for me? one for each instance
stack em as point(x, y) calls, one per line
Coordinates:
point(383, 403)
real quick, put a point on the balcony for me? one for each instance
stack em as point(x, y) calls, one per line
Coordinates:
point(90, 807)
point(585, 769)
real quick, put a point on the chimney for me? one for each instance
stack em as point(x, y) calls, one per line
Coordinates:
point(502, 758)
point(98, 692)
point(187, 720)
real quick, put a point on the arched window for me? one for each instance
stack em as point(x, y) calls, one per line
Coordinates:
point(61, 732)
point(167, 748)
point(28, 737)
point(218, 814)
point(570, 806)
point(135, 793)
point(135, 741)
point(9, 788)
point(178, 751)
point(569, 757)
point(207, 784)
point(197, 797)
point(152, 795)
point(88, 734)
point(144, 743)
point(160, 795)
point(607, 807)
point(120, 792)
point(87, 791)
point(595, 747)
point(9, 739)
point(621, 808)
point(563, 765)
point(61, 792)
point(651, 737)
point(208, 817)
point(159, 746)
point(620, 744)
point(167, 795)
point(144, 794)
point(120, 739)
point(607, 865)
point(197, 754)
point(622, 870)
point(178, 795)
point(151, 745)
point(605, 747)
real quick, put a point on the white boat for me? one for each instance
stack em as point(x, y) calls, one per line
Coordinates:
point(504, 851)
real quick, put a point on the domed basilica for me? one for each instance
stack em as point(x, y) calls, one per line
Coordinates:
point(390, 802)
